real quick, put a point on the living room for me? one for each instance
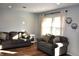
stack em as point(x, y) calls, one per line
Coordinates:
point(16, 18)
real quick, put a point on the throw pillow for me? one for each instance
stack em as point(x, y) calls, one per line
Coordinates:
point(15, 37)
point(46, 38)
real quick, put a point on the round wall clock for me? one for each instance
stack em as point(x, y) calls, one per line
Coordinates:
point(68, 20)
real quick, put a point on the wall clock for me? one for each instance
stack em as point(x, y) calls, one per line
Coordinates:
point(68, 20)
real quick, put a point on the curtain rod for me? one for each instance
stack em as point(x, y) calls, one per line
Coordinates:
point(52, 13)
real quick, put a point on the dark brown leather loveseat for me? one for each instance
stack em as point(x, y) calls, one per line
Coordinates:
point(47, 44)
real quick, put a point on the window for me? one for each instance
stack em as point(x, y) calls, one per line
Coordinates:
point(56, 26)
point(46, 26)
point(52, 25)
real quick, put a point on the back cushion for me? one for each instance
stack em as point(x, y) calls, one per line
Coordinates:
point(3, 35)
point(7, 36)
point(51, 39)
point(48, 38)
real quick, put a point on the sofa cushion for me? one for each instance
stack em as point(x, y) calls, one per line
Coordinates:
point(51, 39)
point(46, 45)
point(17, 41)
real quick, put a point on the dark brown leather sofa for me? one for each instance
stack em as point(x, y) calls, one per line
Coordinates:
point(7, 40)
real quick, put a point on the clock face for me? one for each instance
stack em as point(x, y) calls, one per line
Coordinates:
point(68, 20)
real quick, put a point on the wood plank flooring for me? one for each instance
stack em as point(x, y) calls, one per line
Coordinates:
point(26, 51)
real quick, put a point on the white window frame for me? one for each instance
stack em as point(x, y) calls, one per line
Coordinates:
point(62, 23)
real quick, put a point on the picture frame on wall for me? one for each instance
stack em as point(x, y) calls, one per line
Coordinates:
point(68, 20)
point(74, 25)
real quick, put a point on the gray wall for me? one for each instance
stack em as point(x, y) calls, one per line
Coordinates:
point(73, 35)
point(11, 20)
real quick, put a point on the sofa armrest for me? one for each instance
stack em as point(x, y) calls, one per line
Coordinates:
point(55, 45)
point(64, 44)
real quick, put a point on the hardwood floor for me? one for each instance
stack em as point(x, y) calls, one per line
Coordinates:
point(28, 51)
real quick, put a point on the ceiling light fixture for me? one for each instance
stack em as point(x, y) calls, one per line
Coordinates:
point(23, 22)
point(10, 6)
point(58, 3)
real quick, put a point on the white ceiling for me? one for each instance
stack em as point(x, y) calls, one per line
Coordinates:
point(35, 7)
